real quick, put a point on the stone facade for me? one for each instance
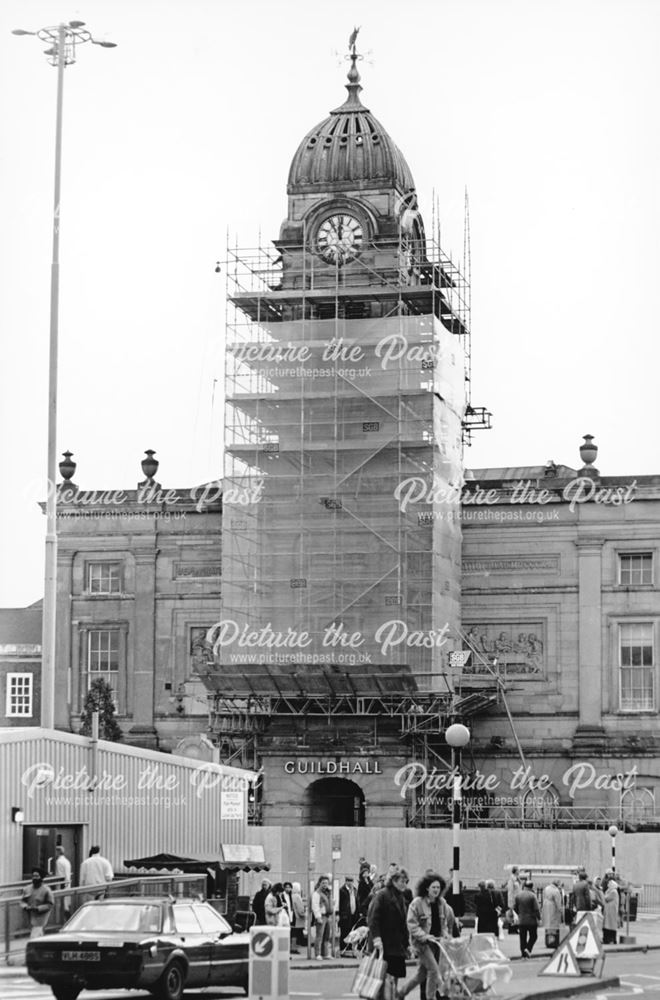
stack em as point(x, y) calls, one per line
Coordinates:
point(138, 586)
point(560, 605)
point(561, 598)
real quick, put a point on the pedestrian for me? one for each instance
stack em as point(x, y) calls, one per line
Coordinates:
point(609, 874)
point(526, 905)
point(513, 887)
point(287, 890)
point(63, 872)
point(274, 908)
point(498, 901)
point(37, 900)
point(581, 895)
point(552, 913)
point(488, 907)
point(364, 889)
point(348, 909)
point(287, 899)
point(96, 870)
point(259, 902)
point(298, 926)
point(429, 918)
point(388, 926)
point(321, 912)
point(611, 912)
point(597, 895)
point(456, 901)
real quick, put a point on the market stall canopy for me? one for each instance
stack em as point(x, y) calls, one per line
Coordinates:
point(243, 857)
point(234, 857)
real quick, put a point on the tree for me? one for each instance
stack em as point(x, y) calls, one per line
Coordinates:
point(100, 698)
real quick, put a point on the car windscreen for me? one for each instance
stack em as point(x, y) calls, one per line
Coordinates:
point(139, 918)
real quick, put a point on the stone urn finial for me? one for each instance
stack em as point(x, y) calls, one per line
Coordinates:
point(588, 454)
point(67, 467)
point(67, 489)
point(150, 468)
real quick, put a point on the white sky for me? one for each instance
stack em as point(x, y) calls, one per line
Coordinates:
point(547, 111)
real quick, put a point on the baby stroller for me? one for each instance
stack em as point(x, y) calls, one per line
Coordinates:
point(355, 942)
point(473, 965)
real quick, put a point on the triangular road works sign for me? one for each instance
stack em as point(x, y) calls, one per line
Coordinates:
point(583, 942)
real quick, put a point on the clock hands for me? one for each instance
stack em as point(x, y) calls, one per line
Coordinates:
point(339, 235)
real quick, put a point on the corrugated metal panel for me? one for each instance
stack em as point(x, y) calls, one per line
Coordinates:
point(141, 802)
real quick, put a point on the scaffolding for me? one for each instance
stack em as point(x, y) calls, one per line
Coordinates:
point(347, 392)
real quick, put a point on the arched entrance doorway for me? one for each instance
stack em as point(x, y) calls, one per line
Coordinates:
point(333, 802)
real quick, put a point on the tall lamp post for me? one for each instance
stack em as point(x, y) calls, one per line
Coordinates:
point(613, 830)
point(62, 41)
point(457, 736)
point(623, 938)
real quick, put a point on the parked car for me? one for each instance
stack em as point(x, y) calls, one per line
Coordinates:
point(162, 945)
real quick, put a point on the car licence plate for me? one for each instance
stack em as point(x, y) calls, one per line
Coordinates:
point(81, 956)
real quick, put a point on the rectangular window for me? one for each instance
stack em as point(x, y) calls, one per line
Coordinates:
point(636, 667)
point(104, 578)
point(103, 657)
point(19, 696)
point(635, 569)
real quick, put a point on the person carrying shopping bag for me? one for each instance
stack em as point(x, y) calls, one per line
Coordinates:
point(387, 923)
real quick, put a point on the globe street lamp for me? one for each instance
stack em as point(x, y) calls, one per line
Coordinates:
point(613, 830)
point(62, 41)
point(457, 736)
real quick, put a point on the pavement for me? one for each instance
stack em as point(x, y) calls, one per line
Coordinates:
point(525, 982)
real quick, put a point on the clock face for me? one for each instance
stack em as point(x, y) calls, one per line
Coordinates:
point(339, 238)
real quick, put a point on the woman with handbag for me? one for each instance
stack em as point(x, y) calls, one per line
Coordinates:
point(387, 924)
point(552, 912)
point(274, 906)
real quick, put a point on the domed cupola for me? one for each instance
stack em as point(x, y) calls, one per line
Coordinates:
point(349, 150)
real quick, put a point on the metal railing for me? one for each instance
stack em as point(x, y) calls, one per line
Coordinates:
point(15, 925)
point(549, 817)
point(648, 899)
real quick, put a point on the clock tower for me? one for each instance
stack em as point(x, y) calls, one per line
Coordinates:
point(351, 195)
point(347, 356)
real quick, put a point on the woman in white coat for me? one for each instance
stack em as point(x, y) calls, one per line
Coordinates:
point(552, 913)
point(611, 913)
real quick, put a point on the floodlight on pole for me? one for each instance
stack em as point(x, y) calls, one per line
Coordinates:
point(63, 40)
point(457, 736)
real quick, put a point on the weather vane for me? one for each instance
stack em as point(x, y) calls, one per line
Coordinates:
point(353, 54)
point(351, 44)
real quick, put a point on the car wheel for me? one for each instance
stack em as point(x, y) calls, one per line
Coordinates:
point(66, 992)
point(171, 983)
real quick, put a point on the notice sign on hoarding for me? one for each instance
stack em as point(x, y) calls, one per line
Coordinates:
point(232, 805)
